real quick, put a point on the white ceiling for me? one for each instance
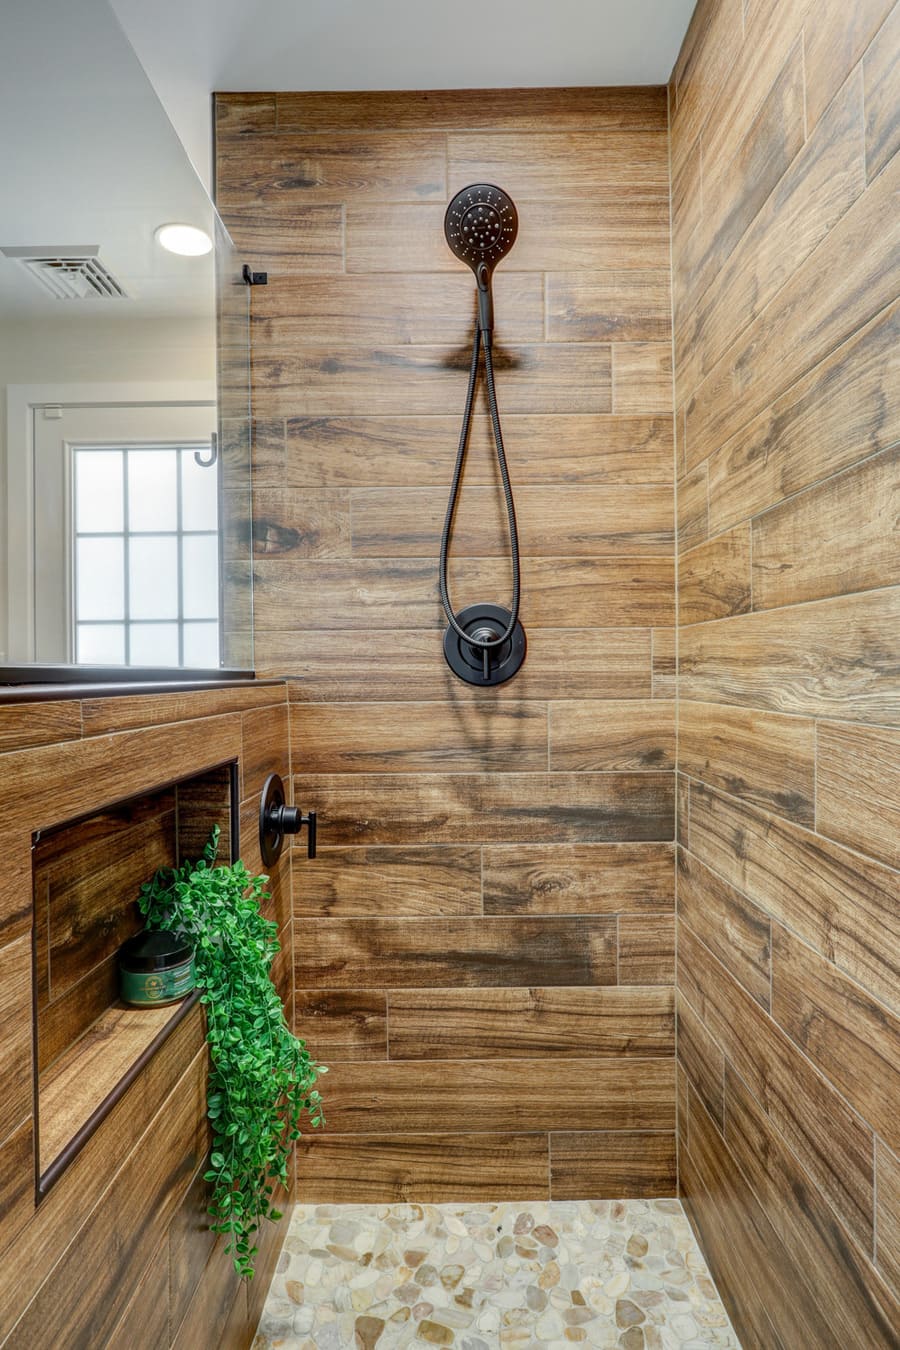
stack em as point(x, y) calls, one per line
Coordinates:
point(94, 159)
point(90, 158)
point(192, 47)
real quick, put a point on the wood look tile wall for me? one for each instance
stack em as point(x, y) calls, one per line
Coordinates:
point(118, 1252)
point(492, 906)
point(786, 266)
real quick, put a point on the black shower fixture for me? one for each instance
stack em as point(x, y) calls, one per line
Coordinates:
point(484, 644)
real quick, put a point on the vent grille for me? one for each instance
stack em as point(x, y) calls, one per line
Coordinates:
point(70, 273)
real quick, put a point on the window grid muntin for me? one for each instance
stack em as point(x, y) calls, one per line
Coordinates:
point(179, 449)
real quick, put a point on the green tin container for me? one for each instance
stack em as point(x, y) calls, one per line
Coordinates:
point(155, 967)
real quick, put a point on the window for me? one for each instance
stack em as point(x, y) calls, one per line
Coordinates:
point(146, 556)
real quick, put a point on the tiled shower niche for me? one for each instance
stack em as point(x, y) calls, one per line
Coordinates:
point(86, 876)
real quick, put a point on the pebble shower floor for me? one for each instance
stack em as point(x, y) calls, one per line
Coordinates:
point(623, 1274)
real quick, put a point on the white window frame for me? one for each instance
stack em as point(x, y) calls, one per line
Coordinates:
point(22, 404)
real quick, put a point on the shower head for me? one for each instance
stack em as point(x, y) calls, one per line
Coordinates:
point(481, 226)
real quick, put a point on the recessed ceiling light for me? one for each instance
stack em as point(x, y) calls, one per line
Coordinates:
point(187, 240)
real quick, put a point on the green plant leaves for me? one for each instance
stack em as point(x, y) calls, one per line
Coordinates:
point(262, 1078)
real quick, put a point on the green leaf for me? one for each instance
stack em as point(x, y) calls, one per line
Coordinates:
point(261, 1077)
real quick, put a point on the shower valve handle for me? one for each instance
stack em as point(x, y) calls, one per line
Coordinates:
point(292, 820)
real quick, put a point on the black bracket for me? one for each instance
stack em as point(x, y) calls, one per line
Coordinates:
point(277, 819)
point(254, 278)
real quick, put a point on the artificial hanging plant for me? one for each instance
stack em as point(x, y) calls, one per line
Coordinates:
point(262, 1078)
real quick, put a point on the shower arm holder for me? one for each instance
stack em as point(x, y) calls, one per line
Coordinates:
point(485, 303)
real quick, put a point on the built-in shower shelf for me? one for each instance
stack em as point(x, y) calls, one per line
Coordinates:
point(85, 1082)
point(87, 874)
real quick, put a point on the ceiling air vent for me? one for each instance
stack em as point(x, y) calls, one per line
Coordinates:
point(69, 273)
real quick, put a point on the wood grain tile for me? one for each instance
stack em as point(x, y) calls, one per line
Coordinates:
point(838, 537)
point(418, 307)
point(437, 953)
point(857, 788)
point(523, 1023)
point(218, 1309)
point(641, 377)
point(62, 1214)
point(368, 593)
point(665, 663)
point(705, 64)
point(342, 1024)
point(501, 736)
point(191, 1244)
point(608, 231)
point(861, 251)
point(762, 1284)
point(646, 949)
point(887, 1214)
point(845, 1032)
point(15, 1047)
point(764, 758)
point(344, 380)
point(28, 724)
point(388, 882)
point(734, 190)
point(578, 879)
point(307, 244)
point(828, 1137)
point(127, 713)
point(830, 658)
point(353, 665)
point(610, 520)
point(702, 1060)
point(422, 1168)
point(621, 306)
point(682, 810)
point(521, 110)
point(612, 735)
point(714, 579)
point(834, 44)
point(859, 1307)
point(693, 510)
point(291, 170)
point(819, 185)
point(772, 28)
point(90, 891)
point(550, 165)
point(611, 1165)
point(735, 930)
point(879, 67)
point(243, 114)
point(845, 906)
point(87, 1292)
point(16, 1181)
point(493, 808)
point(846, 408)
point(145, 1321)
point(289, 522)
point(265, 747)
point(447, 1095)
point(49, 784)
point(550, 449)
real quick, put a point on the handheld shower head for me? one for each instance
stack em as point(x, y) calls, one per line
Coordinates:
point(481, 226)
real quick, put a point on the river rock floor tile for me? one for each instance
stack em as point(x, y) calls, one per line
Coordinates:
point(619, 1274)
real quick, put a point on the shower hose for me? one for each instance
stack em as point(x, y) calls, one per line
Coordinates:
point(483, 644)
